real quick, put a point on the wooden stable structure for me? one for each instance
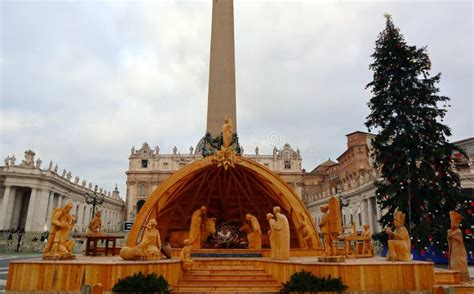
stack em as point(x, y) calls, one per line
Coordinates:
point(225, 274)
point(228, 194)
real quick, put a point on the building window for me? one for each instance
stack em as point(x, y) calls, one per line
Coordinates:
point(144, 163)
point(165, 165)
point(287, 164)
point(360, 219)
point(142, 190)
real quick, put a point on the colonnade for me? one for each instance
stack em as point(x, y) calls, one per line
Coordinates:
point(30, 208)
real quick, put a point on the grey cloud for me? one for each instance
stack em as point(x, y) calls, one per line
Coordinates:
point(82, 82)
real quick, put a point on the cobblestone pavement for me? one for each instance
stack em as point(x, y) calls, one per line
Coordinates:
point(5, 259)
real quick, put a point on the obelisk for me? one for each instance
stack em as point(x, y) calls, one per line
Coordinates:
point(221, 99)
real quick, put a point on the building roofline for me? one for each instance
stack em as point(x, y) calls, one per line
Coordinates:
point(463, 140)
point(360, 132)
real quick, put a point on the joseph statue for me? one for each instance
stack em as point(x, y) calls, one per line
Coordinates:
point(197, 220)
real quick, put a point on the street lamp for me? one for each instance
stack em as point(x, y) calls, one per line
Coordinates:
point(344, 202)
point(94, 200)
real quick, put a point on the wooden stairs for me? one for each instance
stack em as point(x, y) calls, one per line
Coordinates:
point(226, 275)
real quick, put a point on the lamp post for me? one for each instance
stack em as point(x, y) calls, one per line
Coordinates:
point(94, 199)
point(344, 202)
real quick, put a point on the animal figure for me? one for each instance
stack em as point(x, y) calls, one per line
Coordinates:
point(177, 238)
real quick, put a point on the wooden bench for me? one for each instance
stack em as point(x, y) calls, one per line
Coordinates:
point(93, 249)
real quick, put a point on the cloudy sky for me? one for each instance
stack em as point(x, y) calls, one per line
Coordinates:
point(84, 81)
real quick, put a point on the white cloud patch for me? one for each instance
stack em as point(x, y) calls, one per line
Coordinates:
point(83, 82)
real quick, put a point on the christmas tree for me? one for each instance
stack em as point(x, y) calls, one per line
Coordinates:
point(411, 149)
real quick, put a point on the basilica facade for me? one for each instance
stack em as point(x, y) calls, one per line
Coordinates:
point(148, 168)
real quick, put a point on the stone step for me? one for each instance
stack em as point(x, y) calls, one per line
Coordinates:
point(229, 267)
point(224, 282)
point(225, 291)
point(224, 261)
point(221, 288)
point(228, 271)
point(228, 276)
point(447, 277)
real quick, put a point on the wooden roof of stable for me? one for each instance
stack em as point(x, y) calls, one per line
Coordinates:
point(229, 194)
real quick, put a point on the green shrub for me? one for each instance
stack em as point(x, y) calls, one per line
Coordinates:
point(139, 283)
point(307, 282)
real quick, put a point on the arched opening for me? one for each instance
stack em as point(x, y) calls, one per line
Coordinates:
point(229, 194)
point(139, 205)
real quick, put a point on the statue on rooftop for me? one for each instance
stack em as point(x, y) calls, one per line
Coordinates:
point(29, 160)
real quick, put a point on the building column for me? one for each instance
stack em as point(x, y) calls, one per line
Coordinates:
point(370, 212)
point(50, 209)
point(60, 200)
point(79, 214)
point(41, 218)
point(115, 221)
point(378, 214)
point(88, 214)
point(112, 220)
point(14, 209)
point(30, 216)
point(106, 218)
point(5, 203)
point(365, 212)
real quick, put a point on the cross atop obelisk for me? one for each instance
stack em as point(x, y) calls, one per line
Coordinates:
point(221, 99)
